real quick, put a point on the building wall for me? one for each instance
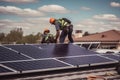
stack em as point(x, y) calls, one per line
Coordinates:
point(78, 33)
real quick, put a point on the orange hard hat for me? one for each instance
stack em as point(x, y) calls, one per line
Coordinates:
point(52, 20)
point(47, 30)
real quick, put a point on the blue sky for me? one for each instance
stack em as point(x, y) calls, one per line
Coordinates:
point(33, 15)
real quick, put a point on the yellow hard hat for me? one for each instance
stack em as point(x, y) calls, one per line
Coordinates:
point(52, 20)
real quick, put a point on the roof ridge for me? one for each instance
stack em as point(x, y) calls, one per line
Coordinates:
point(116, 31)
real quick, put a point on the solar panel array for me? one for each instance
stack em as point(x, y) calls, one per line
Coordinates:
point(45, 57)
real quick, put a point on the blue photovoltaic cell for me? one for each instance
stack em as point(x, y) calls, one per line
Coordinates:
point(2, 49)
point(2, 70)
point(11, 56)
point(118, 54)
point(112, 56)
point(29, 50)
point(85, 60)
point(8, 55)
point(34, 65)
point(51, 50)
point(66, 49)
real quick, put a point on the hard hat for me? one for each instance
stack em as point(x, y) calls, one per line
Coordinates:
point(52, 20)
point(47, 30)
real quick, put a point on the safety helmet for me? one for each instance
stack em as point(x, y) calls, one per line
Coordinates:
point(52, 20)
point(46, 30)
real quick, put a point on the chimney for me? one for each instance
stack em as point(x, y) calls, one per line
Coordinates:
point(78, 33)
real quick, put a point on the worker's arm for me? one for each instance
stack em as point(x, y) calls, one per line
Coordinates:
point(57, 34)
point(57, 26)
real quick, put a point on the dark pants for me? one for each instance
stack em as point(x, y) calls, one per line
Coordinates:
point(67, 31)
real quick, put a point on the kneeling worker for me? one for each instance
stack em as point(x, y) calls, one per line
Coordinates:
point(47, 37)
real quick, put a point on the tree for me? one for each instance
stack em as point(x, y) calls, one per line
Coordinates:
point(2, 37)
point(32, 38)
point(29, 39)
point(86, 33)
point(38, 37)
point(15, 35)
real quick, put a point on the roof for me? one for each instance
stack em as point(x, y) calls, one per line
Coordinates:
point(97, 74)
point(111, 35)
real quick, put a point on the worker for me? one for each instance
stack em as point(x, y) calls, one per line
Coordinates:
point(47, 37)
point(65, 25)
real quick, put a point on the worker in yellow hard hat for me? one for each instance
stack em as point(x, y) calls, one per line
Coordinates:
point(65, 25)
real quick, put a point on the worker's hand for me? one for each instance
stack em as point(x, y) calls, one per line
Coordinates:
point(56, 41)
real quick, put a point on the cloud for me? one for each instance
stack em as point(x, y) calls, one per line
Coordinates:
point(99, 23)
point(20, 1)
point(29, 25)
point(115, 4)
point(85, 8)
point(89, 23)
point(38, 24)
point(110, 17)
point(18, 11)
point(41, 20)
point(6, 23)
point(93, 25)
point(53, 8)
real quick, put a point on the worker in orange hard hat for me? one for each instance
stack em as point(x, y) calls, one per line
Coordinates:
point(65, 25)
point(47, 37)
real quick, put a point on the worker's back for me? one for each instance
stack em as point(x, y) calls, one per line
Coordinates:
point(48, 38)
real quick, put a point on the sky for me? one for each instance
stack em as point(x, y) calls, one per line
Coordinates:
point(33, 15)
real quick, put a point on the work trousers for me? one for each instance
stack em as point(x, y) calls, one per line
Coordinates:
point(66, 31)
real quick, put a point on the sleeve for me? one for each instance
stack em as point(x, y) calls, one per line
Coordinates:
point(57, 25)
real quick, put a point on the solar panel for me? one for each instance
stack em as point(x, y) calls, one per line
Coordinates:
point(11, 56)
point(28, 50)
point(35, 65)
point(112, 56)
point(8, 55)
point(51, 50)
point(86, 60)
point(50, 57)
point(60, 50)
point(2, 49)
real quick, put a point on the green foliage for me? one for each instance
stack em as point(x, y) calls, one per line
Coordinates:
point(86, 33)
point(16, 36)
point(2, 37)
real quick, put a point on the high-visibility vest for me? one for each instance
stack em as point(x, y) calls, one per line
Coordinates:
point(63, 23)
point(47, 36)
